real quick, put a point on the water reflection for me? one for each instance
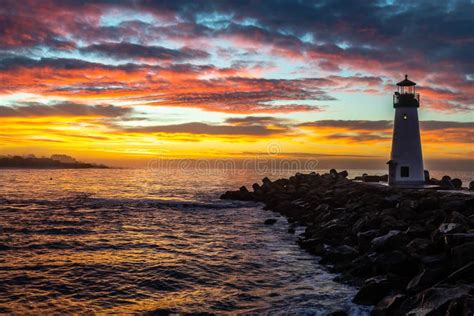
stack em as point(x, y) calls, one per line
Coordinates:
point(114, 241)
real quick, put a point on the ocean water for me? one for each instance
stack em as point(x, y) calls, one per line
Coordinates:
point(145, 241)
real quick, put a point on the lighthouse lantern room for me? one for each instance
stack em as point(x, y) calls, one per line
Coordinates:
point(406, 161)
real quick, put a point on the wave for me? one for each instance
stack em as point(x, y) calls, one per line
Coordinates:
point(86, 200)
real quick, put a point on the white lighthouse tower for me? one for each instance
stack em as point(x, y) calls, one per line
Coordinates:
point(406, 161)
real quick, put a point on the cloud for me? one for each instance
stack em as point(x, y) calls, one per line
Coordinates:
point(350, 125)
point(207, 129)
point(143, 52)
point(63, 109)
point(359, 131)
point(255, 120)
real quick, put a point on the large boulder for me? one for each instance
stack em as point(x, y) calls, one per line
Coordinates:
point(457, 183)
point(389, 305)
point(241, 195)
point(312, 245)
point(270, 221)
point(394, 239)
point(463, 254)
point(389, 223)
point(428, 203)
point(425, 279)
point(420, 246)
point(464, 274)
point(453, 240)
point(446, 183)
point(438, 301)
point(364, 239)
point(368, 178)
point(372, 291)
point(340, 254)
point(396, 262)
point(343, 174)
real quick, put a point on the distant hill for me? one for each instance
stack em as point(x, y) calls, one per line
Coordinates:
point(54, 162)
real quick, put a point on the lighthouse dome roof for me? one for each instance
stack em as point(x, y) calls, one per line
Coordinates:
point(406, 82)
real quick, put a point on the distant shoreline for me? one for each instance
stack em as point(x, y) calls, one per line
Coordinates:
point(53, 168)
point(18, 162)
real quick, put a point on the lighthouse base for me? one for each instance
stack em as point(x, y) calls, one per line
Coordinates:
point(411, 184)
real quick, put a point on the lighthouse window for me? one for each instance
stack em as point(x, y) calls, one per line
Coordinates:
point(405, 116)
point(405, 172)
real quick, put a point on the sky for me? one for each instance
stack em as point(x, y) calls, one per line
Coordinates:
point(123, 82)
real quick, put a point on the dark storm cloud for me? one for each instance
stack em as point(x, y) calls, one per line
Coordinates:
point(62, 109)
point(57, 63)
point(136, 51)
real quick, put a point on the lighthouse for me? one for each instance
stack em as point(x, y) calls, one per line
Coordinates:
point(406, 161)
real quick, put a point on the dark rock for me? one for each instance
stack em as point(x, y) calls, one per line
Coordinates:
point(392, 240)
point(428, 203)
point(366, 223)
point(389, 305)
point(408, 204)
point(372, 291)
point(392, 200)
point(427, 176)
point(361, 266)
point(446, 183)
point(453, 240)
point(313, 246)
point(457, 217)
point(243, 190)
point(454, 204)
point(371, 178)
point(471, 186)
point(384, 178)
point(339, 254)
point(364, 239)
point(340, 312)
point(464, 274)
point(396, 262)
point(256, 188)
point(343, 174)
point(240, 195)
point(457, 183)
point(390, 223)
point(270, 221)
point(463, 254)
point(435, 261)
point(418, 231)
point(420, 246)
point(451, 228)
point(425, 279)
point(291, 230)
point(435, 301)
point(266, 181)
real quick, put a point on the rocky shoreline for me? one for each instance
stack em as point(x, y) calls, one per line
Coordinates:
point(410, 251)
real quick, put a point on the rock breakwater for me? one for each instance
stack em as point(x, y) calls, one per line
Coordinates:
point(411, 251)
